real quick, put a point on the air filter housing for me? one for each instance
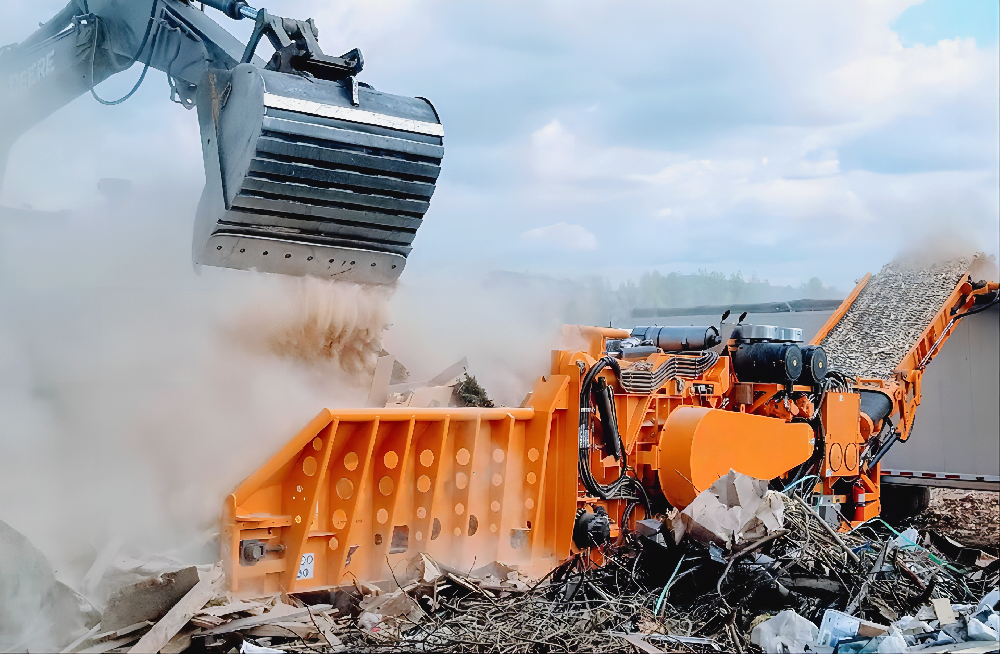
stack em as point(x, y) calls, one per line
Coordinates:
point(770, 363)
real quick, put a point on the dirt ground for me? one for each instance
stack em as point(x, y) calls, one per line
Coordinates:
point(970, 517)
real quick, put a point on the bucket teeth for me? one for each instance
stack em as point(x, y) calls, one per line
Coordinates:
point(323, 183)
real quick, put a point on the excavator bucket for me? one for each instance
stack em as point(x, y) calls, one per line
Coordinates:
point(306, 176)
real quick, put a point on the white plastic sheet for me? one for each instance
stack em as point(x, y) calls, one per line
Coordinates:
point(786, 632)
point(981, 631)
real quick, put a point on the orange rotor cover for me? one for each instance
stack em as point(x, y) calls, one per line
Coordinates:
point(698, 445)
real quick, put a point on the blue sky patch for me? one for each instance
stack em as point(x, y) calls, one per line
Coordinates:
point(936, 20)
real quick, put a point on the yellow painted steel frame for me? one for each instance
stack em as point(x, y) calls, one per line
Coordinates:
point(359, 490)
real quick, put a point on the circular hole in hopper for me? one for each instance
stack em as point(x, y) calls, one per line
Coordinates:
point(345, 488)
point(298, 519)
point(334, 543)
point(424, 483)
point(309, 466)
point(529, 503)
point(419, 536)
point(459, 509)
point(382, 516)
point(458, 531)
point(390, 460)
point(497, 479)
point(498, 455)
point(532, 455)
point(473, 525)
point(339, 519)
point(298, 488)
point(495, 506)
point(426, 458)
point(493, 528)
point(317, 444)
point(265, 253)
point(378, 539)
point(463, 457)
point(461, 480)
point(351, 461)
point(421, 512)
point(531, 478)
point(386, 486)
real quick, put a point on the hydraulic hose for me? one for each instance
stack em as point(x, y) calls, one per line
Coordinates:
point(620, 486)
point(142, 46)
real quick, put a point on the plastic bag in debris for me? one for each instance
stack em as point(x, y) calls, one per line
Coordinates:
point(734, 509)
point(908, 540)
point(786, 632)
point(989, 601)
point(984, 626)
point(250, 648)
point(892, 644)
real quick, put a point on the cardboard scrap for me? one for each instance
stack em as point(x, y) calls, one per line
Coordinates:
point(942, 609)
point(736, 508)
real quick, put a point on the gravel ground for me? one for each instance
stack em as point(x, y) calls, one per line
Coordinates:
point(970, 517)
point(889, 315)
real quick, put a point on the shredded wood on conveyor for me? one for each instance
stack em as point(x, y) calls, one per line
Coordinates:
point(890, 314)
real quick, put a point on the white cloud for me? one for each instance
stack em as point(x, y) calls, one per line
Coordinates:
point(561, 236)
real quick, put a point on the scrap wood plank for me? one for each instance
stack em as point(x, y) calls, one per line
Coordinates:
point(249, 623)
point(79, 641)
point(180, 642)
point(203, 592)
point(235, 607)
point(285, 629)
point(124, 631)
point(109, 645)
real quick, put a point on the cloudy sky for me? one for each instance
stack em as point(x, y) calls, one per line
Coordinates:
point(783, 138)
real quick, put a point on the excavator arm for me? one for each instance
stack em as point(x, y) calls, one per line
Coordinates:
point(308, 170)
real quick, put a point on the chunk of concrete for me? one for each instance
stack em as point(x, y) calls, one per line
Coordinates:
point(149, 599)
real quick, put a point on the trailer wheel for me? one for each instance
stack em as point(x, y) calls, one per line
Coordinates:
point(903, 502)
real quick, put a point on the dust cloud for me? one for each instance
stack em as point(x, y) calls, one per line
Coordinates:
point(136, 395)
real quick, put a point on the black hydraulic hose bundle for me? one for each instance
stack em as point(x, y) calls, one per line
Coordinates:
point(142, 46)
point(624, 486)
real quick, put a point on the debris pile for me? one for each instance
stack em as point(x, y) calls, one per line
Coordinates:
point(889, 314)
point(744, 568)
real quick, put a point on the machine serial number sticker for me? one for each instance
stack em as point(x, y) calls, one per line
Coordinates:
point(307, 566)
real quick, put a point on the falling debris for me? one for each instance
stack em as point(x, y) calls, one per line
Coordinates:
point(469, 393)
